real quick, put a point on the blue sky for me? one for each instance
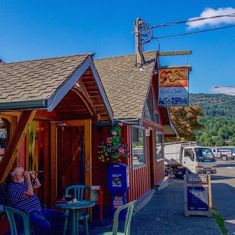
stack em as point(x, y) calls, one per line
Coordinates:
point(39, 29)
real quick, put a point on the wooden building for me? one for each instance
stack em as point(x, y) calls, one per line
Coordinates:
point(132, 93)
point(47, 108)
point(55, 112)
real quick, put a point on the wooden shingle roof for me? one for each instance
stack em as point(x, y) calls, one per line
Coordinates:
point(36, 80)
point(126, 85)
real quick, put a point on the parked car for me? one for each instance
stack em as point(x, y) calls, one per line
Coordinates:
point(223, 153)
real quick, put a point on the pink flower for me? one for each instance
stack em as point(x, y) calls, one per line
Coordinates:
point(109, 140)
point(114, 133)
point(120, 124)
point(121, 150)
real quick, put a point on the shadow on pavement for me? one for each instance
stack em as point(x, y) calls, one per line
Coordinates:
point(221, 165)
point(164, 215)
point(221, 177)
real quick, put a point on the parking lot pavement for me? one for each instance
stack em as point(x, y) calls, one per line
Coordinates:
point(164, 215)
point(223, 193)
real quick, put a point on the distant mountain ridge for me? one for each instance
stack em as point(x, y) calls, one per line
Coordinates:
point(215, 105)
point(218, 120)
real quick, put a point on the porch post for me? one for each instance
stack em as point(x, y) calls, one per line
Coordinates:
point(53, 163)
point(13, 146)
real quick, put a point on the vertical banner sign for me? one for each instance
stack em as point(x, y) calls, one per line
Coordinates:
point(173, 86)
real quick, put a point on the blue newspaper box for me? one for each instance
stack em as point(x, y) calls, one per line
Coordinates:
point(118, 178)
point(118, 184)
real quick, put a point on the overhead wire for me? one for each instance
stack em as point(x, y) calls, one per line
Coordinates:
point(194, 32)
point(148, 35)
point(192, 20)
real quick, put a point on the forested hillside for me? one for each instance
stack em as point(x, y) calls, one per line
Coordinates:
point(215, 105)
point(219, 119)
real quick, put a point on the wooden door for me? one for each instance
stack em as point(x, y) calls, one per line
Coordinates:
point(71, 159)
point(151, 160)
point(70, 154)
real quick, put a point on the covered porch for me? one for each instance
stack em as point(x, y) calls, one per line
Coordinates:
point(47, 108)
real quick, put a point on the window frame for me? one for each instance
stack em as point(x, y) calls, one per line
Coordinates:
point(144, 148)
point(162, 145)
point(191, 157)
point(7, 128)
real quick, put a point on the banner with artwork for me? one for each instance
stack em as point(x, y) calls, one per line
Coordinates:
point(173, 86)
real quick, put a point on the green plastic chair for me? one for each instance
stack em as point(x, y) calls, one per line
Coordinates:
point(78, 192)
point(12, 213)
point(130, 208)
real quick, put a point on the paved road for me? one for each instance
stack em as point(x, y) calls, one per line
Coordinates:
point(164, 215)
point(223, 188)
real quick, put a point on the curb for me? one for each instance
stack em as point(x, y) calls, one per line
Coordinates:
point(162, 183)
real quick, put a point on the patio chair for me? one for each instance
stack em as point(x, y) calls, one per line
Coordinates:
point(129, 207)
point(79, 192)
point(13, 216)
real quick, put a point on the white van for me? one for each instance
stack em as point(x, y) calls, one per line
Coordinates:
point(183, 157)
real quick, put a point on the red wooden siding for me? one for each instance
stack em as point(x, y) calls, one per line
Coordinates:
point(139, 182)
point(159, 170)
point(99, 169)
point(139, 176)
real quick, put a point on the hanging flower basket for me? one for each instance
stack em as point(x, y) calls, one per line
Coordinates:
point(113, 150)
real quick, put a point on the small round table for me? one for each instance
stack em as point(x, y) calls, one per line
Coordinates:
point(75, 208)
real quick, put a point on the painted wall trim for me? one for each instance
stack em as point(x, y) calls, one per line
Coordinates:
point(54, 100)
point(102, 90)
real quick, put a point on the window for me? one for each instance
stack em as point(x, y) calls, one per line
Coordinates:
point(149, 107)
point(150, 112)
point(4, 132)
point(159, 145)
point(204, 155)
point(138, 156)
point(189, 153)
point(156, 117)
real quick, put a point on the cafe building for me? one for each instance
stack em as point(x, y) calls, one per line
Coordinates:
point(133, 95)
point(47, 109)
point(56, 112)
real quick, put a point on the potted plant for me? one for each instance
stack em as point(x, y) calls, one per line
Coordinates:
point(113, 150)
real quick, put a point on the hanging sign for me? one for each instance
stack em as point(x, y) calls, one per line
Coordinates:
point(173, 86)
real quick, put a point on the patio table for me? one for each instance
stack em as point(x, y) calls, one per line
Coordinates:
point(75, 208)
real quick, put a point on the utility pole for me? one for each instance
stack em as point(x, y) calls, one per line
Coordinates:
point(138, 46)
point(143, 35)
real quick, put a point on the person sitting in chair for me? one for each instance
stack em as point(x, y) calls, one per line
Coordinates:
point(21, 195)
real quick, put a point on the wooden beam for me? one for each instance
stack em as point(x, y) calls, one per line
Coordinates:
point(14, 113)
point(15, 143)
point(83, 94)
point(172, 53)
point(53, 163)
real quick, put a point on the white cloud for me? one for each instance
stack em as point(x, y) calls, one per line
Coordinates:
point(209, 12)
point(228, 90)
